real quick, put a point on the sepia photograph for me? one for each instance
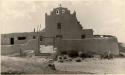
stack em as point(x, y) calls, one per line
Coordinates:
point(62, 37)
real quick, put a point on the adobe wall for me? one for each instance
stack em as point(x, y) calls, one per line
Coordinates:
point(6, 38)
point(93, 45)
point(11, 49)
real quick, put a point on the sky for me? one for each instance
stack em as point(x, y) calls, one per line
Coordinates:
point(105, 17)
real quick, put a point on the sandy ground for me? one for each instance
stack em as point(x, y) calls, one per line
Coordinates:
point(115, 66)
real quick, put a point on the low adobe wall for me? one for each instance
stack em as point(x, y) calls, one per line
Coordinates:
point(11, 49)
point(89, 45)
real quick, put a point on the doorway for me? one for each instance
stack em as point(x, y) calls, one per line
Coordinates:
point(11, 41)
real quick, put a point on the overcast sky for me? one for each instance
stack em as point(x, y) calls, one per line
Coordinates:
point(103, 16)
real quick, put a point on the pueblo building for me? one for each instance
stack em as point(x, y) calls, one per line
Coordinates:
point(62, 31)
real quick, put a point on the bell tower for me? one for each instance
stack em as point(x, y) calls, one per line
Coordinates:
point(61, 22)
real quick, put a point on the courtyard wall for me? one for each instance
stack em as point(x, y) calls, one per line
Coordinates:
point(93, 45)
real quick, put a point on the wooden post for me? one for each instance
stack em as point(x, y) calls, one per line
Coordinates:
point(20, 52)
point(53, 43)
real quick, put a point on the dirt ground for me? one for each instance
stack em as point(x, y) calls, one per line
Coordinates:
point(96, 66)
point(38, 65)
point(28, 65)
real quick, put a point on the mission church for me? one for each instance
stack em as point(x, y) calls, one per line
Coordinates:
point(62, 31)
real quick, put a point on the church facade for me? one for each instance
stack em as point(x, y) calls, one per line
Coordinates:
point(64, 31)
point(61, 23)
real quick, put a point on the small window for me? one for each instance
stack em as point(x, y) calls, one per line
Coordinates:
point(34, 37)
point(21, 38)
point(58, 25)
point(59, 36)
point(83, 36)
point(63, 11)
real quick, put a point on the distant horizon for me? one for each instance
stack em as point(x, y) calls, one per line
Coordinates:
point(105, 17)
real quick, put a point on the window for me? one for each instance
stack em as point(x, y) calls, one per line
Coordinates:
point(83, 36)
point(58, 25)
point(34, 37)
point(63, 11)
point(59, 36)
point(21, 38)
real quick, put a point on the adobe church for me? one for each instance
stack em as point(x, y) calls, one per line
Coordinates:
point(64, 32)
point(61, 23)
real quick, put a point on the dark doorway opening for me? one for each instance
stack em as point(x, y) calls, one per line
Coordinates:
point(11, 41)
